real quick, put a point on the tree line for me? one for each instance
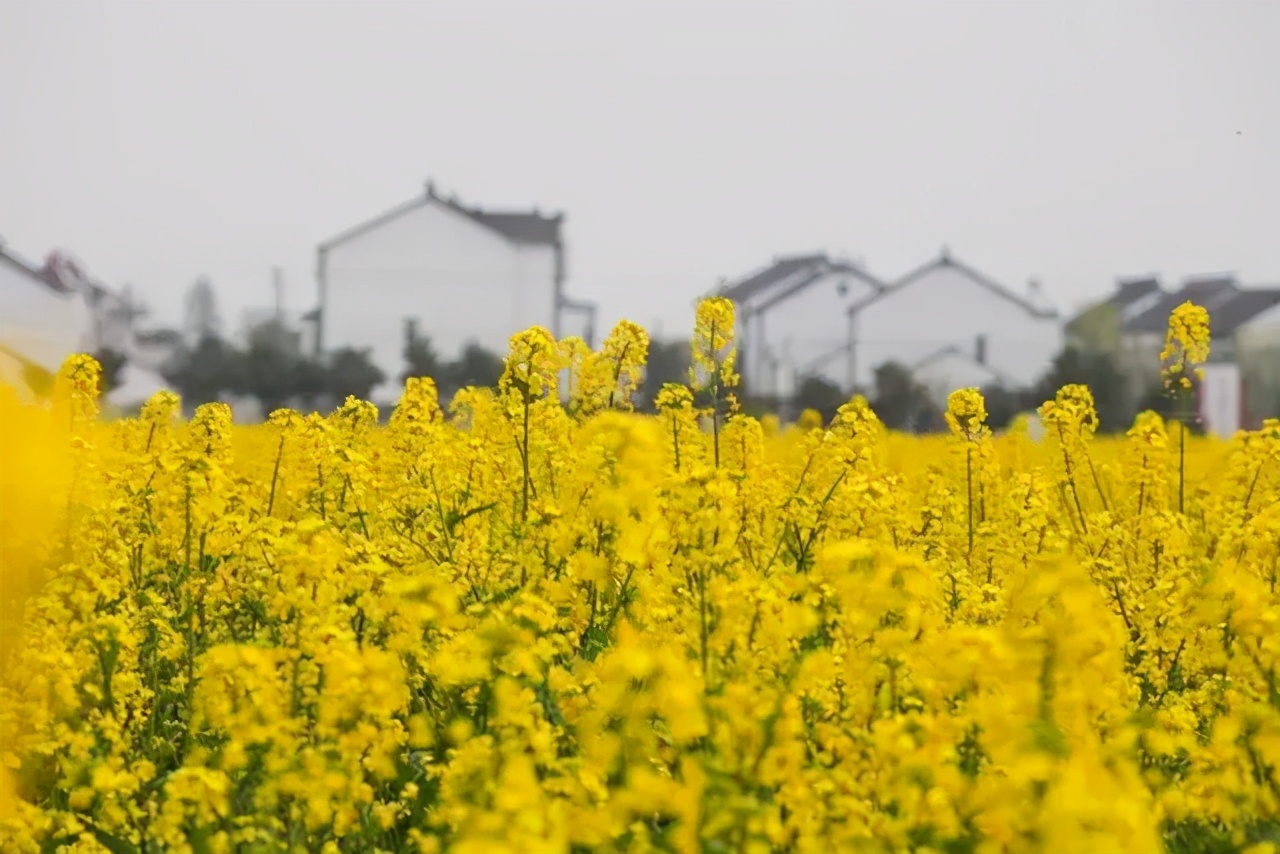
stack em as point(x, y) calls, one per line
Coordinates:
point(903, 403)
point(272, 368)
point(275, 374)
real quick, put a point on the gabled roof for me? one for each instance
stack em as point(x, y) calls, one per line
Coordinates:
point(789, 275)
point(523, 227)
point(1129, 291)
point(20, 264)
point(520, 227)
point(1247, 305)
point(945, 261)
point(765, 278)
point(1270, 317)
point(1133, 296)
point(59, 273)
point(1228, 305)
point(1210, 291)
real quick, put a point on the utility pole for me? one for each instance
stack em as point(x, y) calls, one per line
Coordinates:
point(277, 283)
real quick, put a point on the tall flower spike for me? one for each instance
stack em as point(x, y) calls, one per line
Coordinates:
point(161, 408)
point(1186, 344)
point(967, 413)
point(583, 377)
point(77, 387)
point(674, 397)
point(419, 404)
point(713, 353)
point(1186, 347)
point(532, 364)
point(625, 352)
point(1071, 411)
point(355, 414)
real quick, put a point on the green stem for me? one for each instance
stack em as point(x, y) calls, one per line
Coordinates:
point(186, 535)
point(702, 620)
point(275, 475)
point(675, 439)
point(1182, 460)
point(1071, 479)
point(715, 396)
point(524, 458)
point(1096, 481)
point(968, 466)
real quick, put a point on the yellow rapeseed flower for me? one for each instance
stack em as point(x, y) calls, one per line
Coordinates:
point(544, 622)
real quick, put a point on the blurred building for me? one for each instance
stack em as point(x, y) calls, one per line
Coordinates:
point(953, 367)
point(1131, 323)
point(43, 319)
point(57, 309)
point(465, 275)
point(156, 349)
point(813, 316)
point(792, 321)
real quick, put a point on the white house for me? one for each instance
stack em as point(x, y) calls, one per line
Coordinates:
point(792, 321)
point(810, 315)
point(948, 306)
point(50, 312)
point(1245, 333)
point(42, 319)
point(460, 273)
point(1257, 342)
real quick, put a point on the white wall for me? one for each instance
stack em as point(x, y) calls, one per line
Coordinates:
point(1220, 399)
point(1262, 330)
point(803, 328)
point(462, 281)
point(1257, 345)
point(40, 324)
point(946, 307)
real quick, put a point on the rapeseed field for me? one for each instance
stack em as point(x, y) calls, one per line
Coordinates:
point(541, 622)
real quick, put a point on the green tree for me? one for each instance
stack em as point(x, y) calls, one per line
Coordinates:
point(1096, 329)
point(476, 367)
point(1003, 405)
point(668, 362)
point(269, 375)
point(352, 372)
point(1096, 370)
point(271, 365)
point(902, 403)
point(309, 381)
point(200, 311)
point(421, 359)
point(207, 371)
point(820, 395)
point(1174, 403)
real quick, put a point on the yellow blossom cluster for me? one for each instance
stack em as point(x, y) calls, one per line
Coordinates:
point(1186, 344)
point(541, 622)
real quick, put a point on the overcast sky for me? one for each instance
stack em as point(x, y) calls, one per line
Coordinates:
point(1068, 142)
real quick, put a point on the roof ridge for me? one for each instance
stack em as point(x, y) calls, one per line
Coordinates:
point(545, 230)
point(776, 261)
point(947, 259)
point(376, 221)
point(766, 276)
